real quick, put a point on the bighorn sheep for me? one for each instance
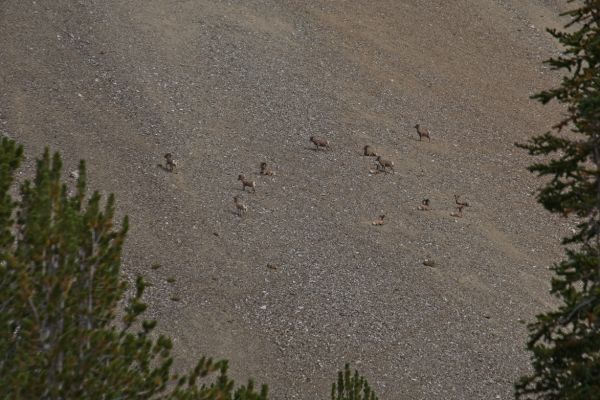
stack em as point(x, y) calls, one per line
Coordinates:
point(379, 221)
point(369, 151)
point(170, 163)
point(425, 205)
point(422, 132)
point(459, 213)
point(248, 183)
point(320, 142)
point(265, 170)
point(460, 203)
point(241, 208)
point(384, 164)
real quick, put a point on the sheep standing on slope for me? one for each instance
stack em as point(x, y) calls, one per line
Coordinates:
point(170, 163)
point(318, 142)
point(265, 170)
point(383, 164)
point(460, 203)
point(425, 205)
point(379, 221)
point(422, 132)
point(247, 183)
point(458, 213)
point(241, 208)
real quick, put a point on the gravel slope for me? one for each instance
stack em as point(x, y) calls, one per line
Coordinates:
point(224, 85)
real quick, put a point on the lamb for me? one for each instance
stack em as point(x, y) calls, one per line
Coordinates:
point(384, 164)
point(247, 183)
point(379, 221)
point(422, 132)
point(320, 143)
point(425, 205)
point(241, 208)
point(458, 213)
point(460, 203)
point(370, 151)
point(265, 170)
point(170, 163)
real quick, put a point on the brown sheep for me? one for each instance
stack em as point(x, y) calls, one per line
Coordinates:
point(247, 183)
point(379, 221)
point(170, 163)
point(458, 213)
point(425, 205)
point(384, 164)
point(265, 170)
point(318, 142)
point(422, 132)
point(241, 208)
point(460, 203)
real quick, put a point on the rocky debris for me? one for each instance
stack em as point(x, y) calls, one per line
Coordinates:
point(429, 263)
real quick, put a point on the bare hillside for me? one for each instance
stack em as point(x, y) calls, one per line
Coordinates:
point(304, 282)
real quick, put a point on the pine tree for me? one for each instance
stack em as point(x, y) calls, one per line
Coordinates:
point(351, 387)
point(565, 343)
point(61, 290)
point(60, 293)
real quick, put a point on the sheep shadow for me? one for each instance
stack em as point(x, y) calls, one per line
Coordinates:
point(317, 149)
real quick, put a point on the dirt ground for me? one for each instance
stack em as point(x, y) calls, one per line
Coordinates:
point(304, 283)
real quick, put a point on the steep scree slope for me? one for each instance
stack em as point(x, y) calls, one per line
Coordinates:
point(225, 85)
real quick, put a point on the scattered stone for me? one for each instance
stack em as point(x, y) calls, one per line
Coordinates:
point(74, 174)
point(429, 263)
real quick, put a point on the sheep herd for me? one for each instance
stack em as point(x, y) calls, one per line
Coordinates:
point(382, 165)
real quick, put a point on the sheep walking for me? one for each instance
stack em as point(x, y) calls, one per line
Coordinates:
point(379, 221)
point(247, 183)
point(425, 205)
point(383, 164)
point(265, 170)
point(458, 213)
point(241, 208)
point(460, 203)
point(170, 163)
point(318, 142)
point(422, 132)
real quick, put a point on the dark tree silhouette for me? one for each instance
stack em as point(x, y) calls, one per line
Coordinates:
point(565, 343)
